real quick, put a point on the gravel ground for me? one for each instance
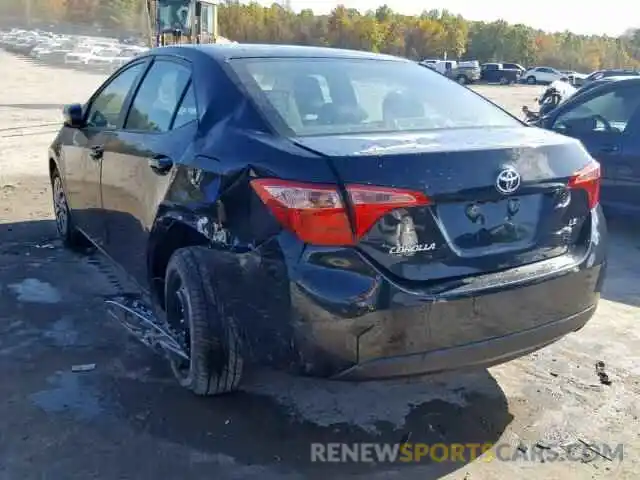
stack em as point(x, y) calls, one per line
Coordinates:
point(125, 418)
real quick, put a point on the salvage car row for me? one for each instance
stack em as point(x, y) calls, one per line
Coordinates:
point(101, 54)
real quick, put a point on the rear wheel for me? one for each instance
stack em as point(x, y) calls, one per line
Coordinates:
point(462, 79)
point(199, 319)
point(64, 223)
point(531, 80)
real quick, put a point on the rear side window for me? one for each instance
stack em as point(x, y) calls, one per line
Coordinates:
point(311, 96)
point(157, 99)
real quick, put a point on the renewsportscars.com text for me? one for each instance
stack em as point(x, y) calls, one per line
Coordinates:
point(460, 452)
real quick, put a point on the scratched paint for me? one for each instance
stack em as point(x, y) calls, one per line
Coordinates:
point(68, 394)
point(32, 290)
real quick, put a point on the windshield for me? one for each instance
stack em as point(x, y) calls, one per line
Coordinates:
point(320, 96)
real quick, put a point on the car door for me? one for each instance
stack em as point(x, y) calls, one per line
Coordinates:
point(490, 72)
point(625, 194)
point(83, 154)
point(556, 75)
point(606, 121)
point(545, 75)
point(138, 162)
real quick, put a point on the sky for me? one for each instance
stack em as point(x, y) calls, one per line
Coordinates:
point(583, 17)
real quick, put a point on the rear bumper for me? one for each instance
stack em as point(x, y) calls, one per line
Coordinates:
point(330, 313)
point(357, 324)
point(393, 333)
point(483, 353)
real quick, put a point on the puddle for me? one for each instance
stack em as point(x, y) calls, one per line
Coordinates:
point(362, 404)
point(63, 333)
point(68, 395)
point(33, 290)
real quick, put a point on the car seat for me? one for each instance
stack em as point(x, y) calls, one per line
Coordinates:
point(398, 105)
point(308, 96)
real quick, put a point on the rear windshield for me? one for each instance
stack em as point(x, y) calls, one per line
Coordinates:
point(324, 96)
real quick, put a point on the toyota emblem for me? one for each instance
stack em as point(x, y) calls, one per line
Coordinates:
point(508, 181)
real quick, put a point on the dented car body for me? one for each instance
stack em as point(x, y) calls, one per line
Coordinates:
point(346, 232)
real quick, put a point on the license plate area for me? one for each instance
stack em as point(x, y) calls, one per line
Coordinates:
point(511, 222)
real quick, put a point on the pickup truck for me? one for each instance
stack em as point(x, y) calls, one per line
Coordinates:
point(464, 72)
point(496, 73)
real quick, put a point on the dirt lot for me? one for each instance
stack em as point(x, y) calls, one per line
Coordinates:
point(127, 419)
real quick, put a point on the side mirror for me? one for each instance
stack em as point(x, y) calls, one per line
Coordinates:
point(73, 115)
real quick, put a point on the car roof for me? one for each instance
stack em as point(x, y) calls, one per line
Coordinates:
point(618, 78)
point(223, 52)
point(606, 84)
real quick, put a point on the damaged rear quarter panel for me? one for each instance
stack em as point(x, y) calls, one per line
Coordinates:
point(210, 202)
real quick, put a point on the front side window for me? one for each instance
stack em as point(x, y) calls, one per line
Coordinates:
point(322, 96)
point(105, 109)
point(157, 99)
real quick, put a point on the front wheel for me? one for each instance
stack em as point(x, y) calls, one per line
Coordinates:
point(462, 79)
point(208, 333)
point(531, 80)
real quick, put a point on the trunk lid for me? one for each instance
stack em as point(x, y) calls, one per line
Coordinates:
point(474, 224)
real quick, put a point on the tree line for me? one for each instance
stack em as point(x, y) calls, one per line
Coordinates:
point(433, 34)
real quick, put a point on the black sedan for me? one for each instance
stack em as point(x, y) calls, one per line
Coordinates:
point(606, 118)
point(333, 213)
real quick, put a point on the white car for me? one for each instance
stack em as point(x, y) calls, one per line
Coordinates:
point(537, 75)
point(81, 55)
point(575, 78)
point(104, 58)
point(128, 53)
point(44, 47)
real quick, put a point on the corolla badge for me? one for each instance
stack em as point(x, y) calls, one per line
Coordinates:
point(508, 181)
point(411, 249)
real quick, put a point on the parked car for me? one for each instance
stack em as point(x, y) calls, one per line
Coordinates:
point(82, 54)
point(577, 79)
point(467, 72)
point(127, 54)
point(542, 75)
point(599, 74)
point(55, 53)
point(606, 119)
point(103, 58)
point(462, 72)
point(364, 218)
point(496, 73)
point(514, 66)
point(596, 83)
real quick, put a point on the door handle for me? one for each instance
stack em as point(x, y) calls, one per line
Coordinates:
point(96, 152)
point(160, 164)
point(613, 148)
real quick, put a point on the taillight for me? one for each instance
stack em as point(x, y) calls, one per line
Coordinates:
point(317, 214)
point(588, 179)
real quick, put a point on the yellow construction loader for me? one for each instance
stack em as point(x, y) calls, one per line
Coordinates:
point(172, 22)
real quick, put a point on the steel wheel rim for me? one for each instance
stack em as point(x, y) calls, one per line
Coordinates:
point(61, 210)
